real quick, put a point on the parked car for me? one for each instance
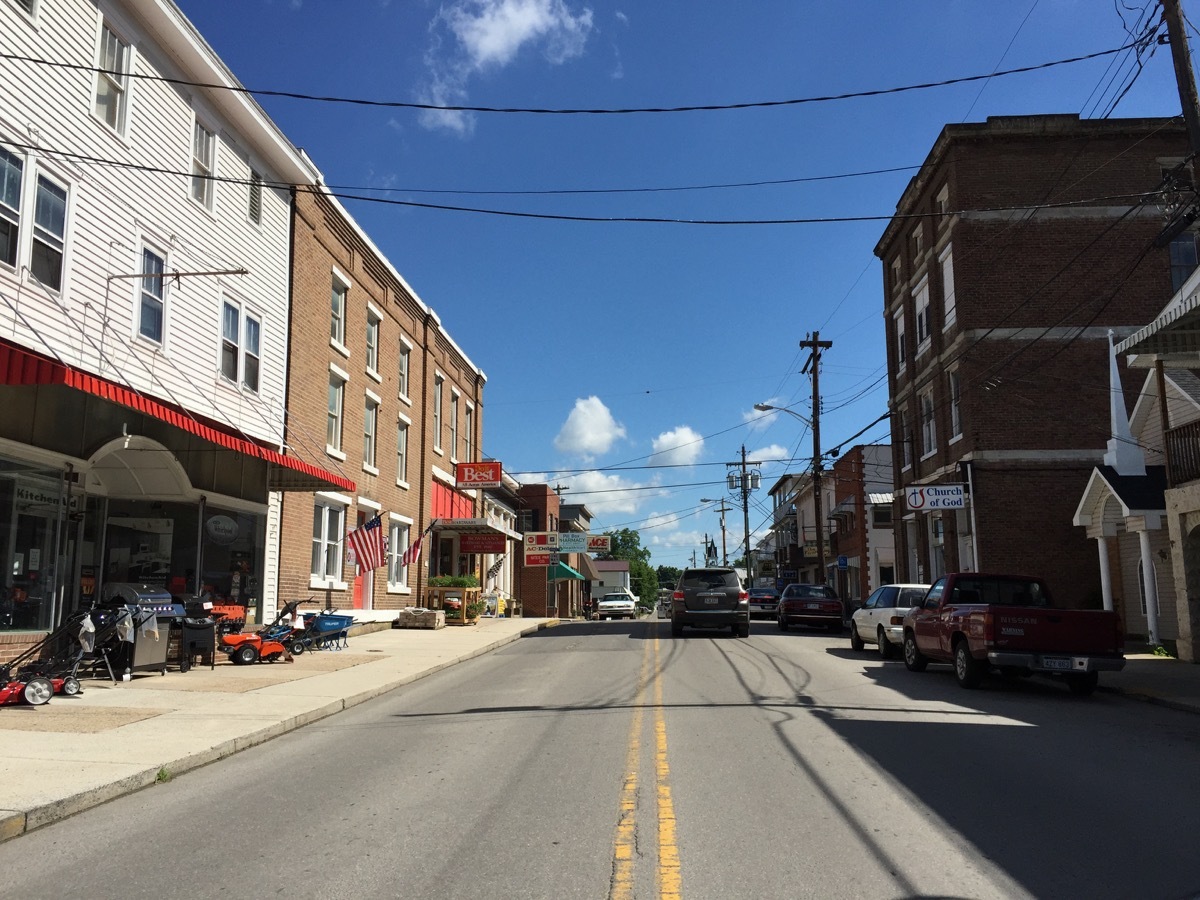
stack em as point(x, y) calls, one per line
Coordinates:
point(710, 598)
point(880, 620)
point(617, 606)
point(763, 602)
point(980, 622)
point(809, 604)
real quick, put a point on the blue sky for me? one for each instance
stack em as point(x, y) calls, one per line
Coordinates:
point(624, 359)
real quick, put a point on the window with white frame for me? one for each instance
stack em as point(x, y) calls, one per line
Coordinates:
point(901, 344)
point(402, 369)
point(204, 156)
point(49, 233)
point(955, 409)
point(254, 204)
point(905, 439)
point(942, 203)
point(337, 397)
point(12, 169)
point(895, 270)
point(337, 310)
point(468, 432)
point(370, 423)
point(151, 299)
point(241, 352)
point(402, 452)
point(453, 422)
point(928, 431)
point(372, 342)
point(438, 382)
point(397, 572)
point(921, 310)
point(112, 80)
point(946, 260)
point(328, 528)
point(918, 243)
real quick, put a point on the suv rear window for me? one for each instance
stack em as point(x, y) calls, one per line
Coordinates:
point(821, 591)
point(709, 578)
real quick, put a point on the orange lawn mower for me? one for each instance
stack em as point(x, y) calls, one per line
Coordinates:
point(268, 643)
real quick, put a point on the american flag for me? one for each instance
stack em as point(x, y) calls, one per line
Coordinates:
point(370, 544)
point(413, 553)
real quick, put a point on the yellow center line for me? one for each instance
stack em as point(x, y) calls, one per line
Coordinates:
point(626, 837)
point(669, 881)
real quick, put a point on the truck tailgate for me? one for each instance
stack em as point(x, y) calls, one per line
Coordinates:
point(1075, 632)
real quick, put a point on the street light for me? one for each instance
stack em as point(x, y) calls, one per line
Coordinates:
point(816, 479)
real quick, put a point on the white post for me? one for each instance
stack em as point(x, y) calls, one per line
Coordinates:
point(1105, 573)
point(1148, 585)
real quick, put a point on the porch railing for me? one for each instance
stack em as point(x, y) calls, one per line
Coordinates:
point(1183, 454)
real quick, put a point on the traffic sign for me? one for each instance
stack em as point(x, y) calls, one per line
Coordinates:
point(843, 563)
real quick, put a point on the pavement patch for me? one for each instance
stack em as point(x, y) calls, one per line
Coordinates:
point(72, 718)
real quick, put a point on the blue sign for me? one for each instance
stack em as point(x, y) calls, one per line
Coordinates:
point(843, 563)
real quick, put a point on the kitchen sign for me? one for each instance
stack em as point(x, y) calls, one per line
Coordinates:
point(935, 496)
point(477, 475)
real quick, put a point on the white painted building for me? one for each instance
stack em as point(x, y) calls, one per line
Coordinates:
point(144, 298)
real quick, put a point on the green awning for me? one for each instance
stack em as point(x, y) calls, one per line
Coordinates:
point(562, 570)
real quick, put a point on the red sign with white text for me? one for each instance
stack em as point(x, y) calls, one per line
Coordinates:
point(599, 543)
point(537, 559)
point(482, 543)
point(477, 475)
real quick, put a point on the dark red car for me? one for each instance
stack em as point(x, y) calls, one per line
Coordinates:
point(809, 604)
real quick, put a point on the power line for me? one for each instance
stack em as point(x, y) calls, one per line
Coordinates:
point(711, 107)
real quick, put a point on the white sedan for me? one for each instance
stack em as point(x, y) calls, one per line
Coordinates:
point(617, 606)
point(880, 620)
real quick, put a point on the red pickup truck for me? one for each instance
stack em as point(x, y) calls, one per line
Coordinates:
point(979, 622)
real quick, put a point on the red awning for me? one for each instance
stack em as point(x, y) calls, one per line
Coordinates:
point(19, 366)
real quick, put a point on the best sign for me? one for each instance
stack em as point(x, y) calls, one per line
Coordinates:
point(477, 475)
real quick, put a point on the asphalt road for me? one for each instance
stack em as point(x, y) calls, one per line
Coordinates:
point(606, 759)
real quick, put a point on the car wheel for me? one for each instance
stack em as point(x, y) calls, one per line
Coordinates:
point(1083, 685)
point(742, 631)
point(967, 669)
point(886, 651)
point(782, 623)
point(914, 659)
point(856, 641)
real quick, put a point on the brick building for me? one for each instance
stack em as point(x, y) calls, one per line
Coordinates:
point(861, 521)
point(384, 395)
point(1013, 251)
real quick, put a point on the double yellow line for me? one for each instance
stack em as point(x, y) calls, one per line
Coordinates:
point(668, 875)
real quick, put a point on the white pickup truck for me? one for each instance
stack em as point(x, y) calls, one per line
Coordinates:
point(617, 606)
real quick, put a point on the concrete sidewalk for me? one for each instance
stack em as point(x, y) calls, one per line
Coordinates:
point(77, 752)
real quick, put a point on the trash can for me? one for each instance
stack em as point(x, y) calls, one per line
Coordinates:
point(197, 635)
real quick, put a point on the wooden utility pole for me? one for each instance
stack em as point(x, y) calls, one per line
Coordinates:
point(1184, 80)
point(815, 345)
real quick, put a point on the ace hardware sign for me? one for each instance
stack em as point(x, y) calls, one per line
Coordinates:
point(477, 475)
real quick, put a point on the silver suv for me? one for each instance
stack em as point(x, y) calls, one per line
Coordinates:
point(710, 598)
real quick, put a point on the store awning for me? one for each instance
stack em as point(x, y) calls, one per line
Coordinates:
point(21, 367)
point(562, 570)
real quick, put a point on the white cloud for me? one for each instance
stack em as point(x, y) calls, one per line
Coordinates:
point(490, 34)
point(606, 495)
point(772, 452)
point(590, 429)
point(679, 446)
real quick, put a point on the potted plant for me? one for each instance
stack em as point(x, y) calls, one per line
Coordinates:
point(457, 581)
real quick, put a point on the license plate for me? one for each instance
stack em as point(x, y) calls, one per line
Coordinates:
point(1052, 662)
point(710, 599)
point(812, 606)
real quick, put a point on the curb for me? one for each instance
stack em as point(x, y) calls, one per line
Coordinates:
point(1153, 699)
point(14, 823)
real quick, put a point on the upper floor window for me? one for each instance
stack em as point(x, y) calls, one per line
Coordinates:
point(921, 310)
point(241, 336)
point(901, 344)
point(254, 207)
point(204, 154)
point(372, 342)
point(948, 308)
point(333, 426)
point(49, 233)
point(438, 383)
point(112, 80)
point(928, 431)
point(370, 422)
point(11, 171)
point(1183, 259)
point(942, 203)
point(955, 410)
point(337, 310)
point(895, 272)
point(918, 242)
point(453, 422)
point(906, 453)
point(152, 306)
point(397, 572)
point(402, 368)
point(402, 452)
point(468, 432)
